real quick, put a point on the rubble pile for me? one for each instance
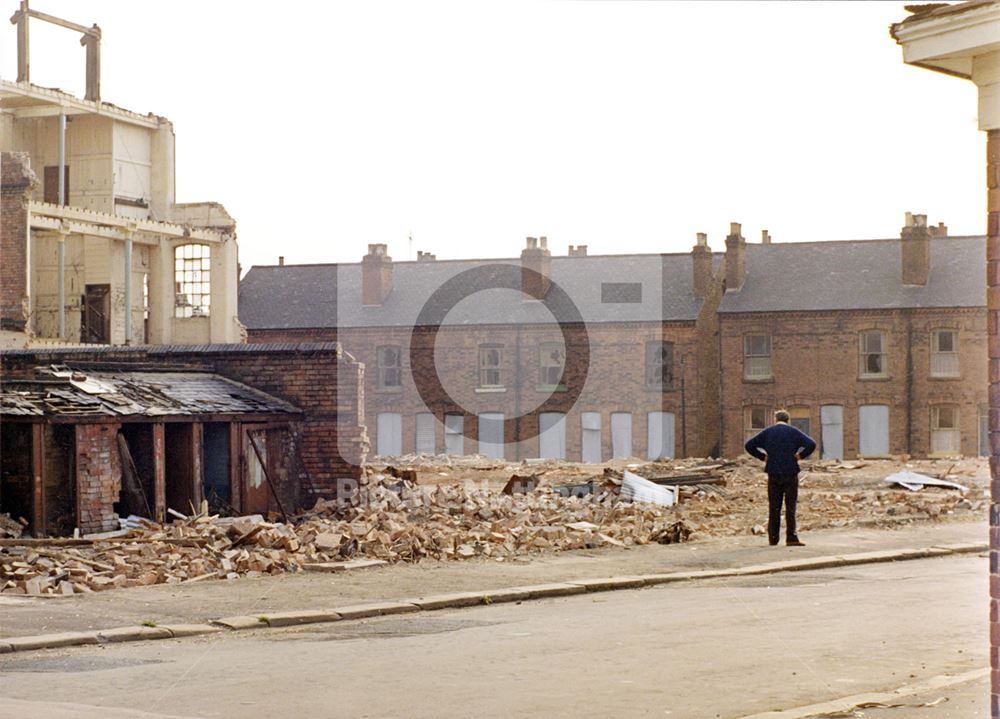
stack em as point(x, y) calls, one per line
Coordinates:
point(500, 512)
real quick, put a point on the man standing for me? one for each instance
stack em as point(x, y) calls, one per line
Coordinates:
point(781, 446)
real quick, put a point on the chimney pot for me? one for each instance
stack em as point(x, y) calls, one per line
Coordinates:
point(536, 265)
point(701, 266)
point(281, 260)
point(765, 237)
point(702, 238)
point(578, 251)
point(531, 242)
point(425, 256)
point(734, 228)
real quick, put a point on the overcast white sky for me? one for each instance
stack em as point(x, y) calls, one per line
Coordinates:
point(625, 126)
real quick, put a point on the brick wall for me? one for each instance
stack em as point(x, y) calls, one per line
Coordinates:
point(993, 329)
point(16, 183)
point(98, 476)
point(815, 359)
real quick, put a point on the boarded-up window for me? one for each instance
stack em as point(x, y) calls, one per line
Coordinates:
point(873, 360)
point(873, 430)
point(454, 434)
point(389, 428)
point(491, 435)
point(757, 357)
point(590, 438)
point(944, 353)
point(51, 190)
point(425, 433)
point(946, 438)
point(621, 435)
point(660, 435)
point(552, 435)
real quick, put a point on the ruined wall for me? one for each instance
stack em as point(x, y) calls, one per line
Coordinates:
point(98, 476)
point(815, 359)
point(16, 184)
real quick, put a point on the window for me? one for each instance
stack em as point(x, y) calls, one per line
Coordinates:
point(984, 431)
point(490, 373)
point(873, 362)
point(754, 420)
point(551, 363)
point(945, 435)
point(799, 417)
point(944, 353)
point(757, 357)
point(192, 285)
point(659, 364)
point(388, 372)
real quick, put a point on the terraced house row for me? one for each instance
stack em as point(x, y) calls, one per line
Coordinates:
point(876, 347)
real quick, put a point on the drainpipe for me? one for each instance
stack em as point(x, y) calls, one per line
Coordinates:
point(684, 431)
point(517, 393)
point(909, 382)
point(128, 285)
point(62, 235)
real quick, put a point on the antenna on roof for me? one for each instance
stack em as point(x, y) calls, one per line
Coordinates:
point(409, 250)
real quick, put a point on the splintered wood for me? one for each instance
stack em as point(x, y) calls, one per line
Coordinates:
point(399, 516)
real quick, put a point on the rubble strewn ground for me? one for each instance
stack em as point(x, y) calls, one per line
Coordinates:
point(440, 508)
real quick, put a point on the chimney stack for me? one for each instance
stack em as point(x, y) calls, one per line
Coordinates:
point(578, 251)
point(425, 256)
point(765, 237)
point(281, 260)
point(536, 267)
point(701, 266)
point(376, 275)
point(915, 250)
point(736, 248)
point(940, 231)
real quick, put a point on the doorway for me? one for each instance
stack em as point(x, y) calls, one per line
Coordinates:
point(95, 320)
point(216, 475)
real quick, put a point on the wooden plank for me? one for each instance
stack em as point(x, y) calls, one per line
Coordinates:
point(159, 472)
point(235, 458)
point(37, 465)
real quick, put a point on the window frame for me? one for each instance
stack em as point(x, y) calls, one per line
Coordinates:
point(864, 353)
point(748, 356)
point(484, 368)
point(935, 335)
point(749, 429)
point(544, 349)
point(955, 429)
point(192, 283)
point(381, 369)
point(654, 365)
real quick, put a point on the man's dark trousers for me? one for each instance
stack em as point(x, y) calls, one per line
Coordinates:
point(781, 487)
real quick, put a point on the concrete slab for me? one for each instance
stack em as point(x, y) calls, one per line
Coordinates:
point(964, 547)
point(296, 617)
point(343, 566)
point(239, 622)
point(541, 591)
point(5, 648)
point(50, 641)
point(132, 634)
point(449, 601)
point(190, 630)
point(511, 594)
point(375, 609)
point(605, 584)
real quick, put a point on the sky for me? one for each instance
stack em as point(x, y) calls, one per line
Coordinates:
point(468, 126)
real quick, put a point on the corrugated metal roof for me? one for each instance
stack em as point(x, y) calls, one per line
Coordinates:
point(123, 394)
point(858, 275)
point(301, 296)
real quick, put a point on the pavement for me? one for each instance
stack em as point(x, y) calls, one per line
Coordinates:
point(172, 611)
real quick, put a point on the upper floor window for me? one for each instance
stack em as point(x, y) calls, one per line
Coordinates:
point(757, 357)
point(754, 420)
point(944, 353)
point(192, 281)
point(873, 359)
point(551, 363)
point(659, 364)
point(945, 434)
point(490, 366)
point(388, 367)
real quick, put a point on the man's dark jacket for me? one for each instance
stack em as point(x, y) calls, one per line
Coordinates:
point(781, 441)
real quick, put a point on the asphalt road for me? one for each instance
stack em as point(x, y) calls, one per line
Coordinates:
point(718, 648)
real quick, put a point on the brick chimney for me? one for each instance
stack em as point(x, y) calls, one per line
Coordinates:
point(915, 249)
point(425, 256)
point(281, 260)
point(536, 268)
point(376, 275)
point(578, 251)
point(736, 249)
point(765, 237)
point(701, 266)
point(940, 231)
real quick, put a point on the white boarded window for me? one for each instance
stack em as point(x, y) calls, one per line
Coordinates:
point(984, 431)
point(621, 435)
point(192, 281)
point(426, 425)
point(946, 438)
point(491, 435)
point(552, 435)
point(757, 357)
point(944, 353)
point(660, 435)
point(873, 358)
point(590, 438)
point(454, 434)
point(873, 430)
point(389, 426)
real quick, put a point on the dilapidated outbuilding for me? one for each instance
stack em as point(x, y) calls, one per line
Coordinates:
point(88, 436)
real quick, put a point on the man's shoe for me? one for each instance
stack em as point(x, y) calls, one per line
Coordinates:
point(772, 542)
point(794, 543)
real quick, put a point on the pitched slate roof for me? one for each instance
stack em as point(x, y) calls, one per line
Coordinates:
point(63, 391)
point(857, 275)
point(608, 288)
